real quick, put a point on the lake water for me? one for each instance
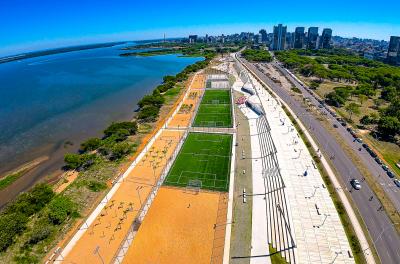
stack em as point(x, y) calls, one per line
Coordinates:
point(46, 101)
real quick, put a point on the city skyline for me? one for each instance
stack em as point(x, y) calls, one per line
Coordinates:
point(81, 23)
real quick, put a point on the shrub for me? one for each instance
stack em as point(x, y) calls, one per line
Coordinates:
point(116, 128)
point(91, 144)
point(156, 100)
point(11, 225)
point(40, 232)
point(60, 209)
point(31, 202)
point(149, 113)
point(73, 161)
point(96, 186)
point(76, 161)
point(314, 84)
point(120, 150)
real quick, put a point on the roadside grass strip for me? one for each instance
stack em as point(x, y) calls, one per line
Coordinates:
point(205, 158)
point(214, 109)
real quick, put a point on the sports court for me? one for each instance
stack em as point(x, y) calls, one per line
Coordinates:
point(203, 162)
point(215, 109)
point(181, 227)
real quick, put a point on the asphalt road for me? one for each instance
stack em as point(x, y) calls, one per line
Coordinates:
point(392, 191)
point(383, 234)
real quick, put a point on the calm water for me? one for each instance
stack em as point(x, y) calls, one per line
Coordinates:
point(46, 101)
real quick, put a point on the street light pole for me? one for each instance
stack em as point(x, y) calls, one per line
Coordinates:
point(138, 189)
point(96, 251)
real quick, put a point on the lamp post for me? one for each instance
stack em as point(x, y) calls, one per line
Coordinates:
point(138, 192)
point(96, 251)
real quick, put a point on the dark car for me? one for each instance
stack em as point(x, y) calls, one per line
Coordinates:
point(348, 129)
point(390, 174)
point(397, 182)
point(385, 168)
point(373, 154)
point(356, 184)
point(365, 145)
point(378, 160)
point(343, 123)
point(335, 126)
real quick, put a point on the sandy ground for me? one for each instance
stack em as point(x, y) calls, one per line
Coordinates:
point(181, 227)
point(273, 73)
point(110, 227)
point(183, 117)
point(102, 239)
point(67, 178)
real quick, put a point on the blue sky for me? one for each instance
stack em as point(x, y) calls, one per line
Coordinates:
point(37, 24)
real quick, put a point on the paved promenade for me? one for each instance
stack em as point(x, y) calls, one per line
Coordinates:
point(310, 230)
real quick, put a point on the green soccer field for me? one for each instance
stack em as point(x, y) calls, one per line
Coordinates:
point(203, 157)
point(214, 109)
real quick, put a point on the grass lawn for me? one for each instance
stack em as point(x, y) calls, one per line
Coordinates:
point(276, 258)
point(9, 179)
point(390, 152)
point(214, 110)
point(204, 157)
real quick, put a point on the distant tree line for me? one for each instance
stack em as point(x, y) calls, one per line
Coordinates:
point(257, 55)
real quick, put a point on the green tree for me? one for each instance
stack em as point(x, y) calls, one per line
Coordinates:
point(116, 128)
point(120, 150)
point(72, 161)
point(76, 161)
point(352, 108)
point(389, 126)
point(91, 144)
point(149, 113)
point(11, 225)
point(60, 209)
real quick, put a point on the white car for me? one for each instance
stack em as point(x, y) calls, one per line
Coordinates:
point(356, 184)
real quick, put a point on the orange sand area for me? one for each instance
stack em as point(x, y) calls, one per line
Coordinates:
point(67, 178)
point(111, 226)
point(182, 118)
point(181, 227)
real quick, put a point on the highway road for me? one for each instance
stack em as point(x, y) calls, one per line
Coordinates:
point(382, 232)
point(392, 191)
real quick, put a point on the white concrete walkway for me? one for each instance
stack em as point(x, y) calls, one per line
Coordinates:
point(314, 224)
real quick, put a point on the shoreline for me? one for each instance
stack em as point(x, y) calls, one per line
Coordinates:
point(50, 171)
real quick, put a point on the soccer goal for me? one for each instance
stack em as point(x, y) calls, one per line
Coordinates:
point(193, 186)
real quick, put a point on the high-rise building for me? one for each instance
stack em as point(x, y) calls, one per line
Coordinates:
point(312, 37)
point(325, 39)
point(299, 38)
point(192, 38)
point(264, 35)
point(289, 40)
point(279, 39)
point(393, 55)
